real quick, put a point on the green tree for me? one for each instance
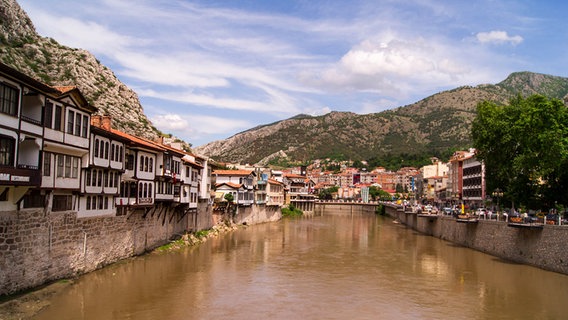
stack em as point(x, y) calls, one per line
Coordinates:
point(327, 193)
point(229, 197)
point(377, 193)
point(524, 146)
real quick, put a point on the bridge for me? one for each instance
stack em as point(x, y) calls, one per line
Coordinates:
point(345, 206)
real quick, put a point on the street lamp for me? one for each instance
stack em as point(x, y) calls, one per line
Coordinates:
point(498, 193)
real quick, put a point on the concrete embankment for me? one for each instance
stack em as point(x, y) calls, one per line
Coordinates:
point(543, 247)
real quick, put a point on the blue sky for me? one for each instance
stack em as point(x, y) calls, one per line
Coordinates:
point(205, 70)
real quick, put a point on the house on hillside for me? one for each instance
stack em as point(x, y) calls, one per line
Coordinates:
point(103, 171)
point(65, 147)
point(240, 183)
point(299, 191)
point(44, 133)
point(137, 187)
point(274, 193)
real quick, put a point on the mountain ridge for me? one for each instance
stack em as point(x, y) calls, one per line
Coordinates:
point(436, 123)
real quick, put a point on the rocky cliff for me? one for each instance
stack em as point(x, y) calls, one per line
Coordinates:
point(47, 60)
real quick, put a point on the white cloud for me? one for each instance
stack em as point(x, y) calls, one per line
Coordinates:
point(195, 127)
point(212, 101)
point(89, 35)
point(498, 37)
point(395, 65)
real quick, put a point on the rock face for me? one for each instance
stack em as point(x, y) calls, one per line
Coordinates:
point(46, 60)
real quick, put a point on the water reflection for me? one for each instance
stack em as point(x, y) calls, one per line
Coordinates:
point(336, 266)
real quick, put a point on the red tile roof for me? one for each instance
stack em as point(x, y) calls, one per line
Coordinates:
point(137, 140)
point(230, 184)
point(233, 172)
point(64, 89)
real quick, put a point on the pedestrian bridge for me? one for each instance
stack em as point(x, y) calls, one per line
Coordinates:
point(345, 206)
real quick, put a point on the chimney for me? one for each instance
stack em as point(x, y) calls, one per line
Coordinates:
point(96, 120)
point(106, 123)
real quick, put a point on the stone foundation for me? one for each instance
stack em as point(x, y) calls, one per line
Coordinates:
point(544, 247)
point(36, 248)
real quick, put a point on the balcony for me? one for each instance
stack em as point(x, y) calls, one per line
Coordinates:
point(23, 175)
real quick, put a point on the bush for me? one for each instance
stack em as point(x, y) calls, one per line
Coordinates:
point(380, 210)
point(291, 211)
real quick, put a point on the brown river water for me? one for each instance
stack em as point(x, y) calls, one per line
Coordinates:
point(334, 266)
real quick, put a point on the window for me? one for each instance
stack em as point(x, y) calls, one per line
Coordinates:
point(78, 125)
point(34, 199)
point(67, 167)
point(106, 150)
point(7, 154)
point(100, 178)
point(48, 115)
point(85, 126)
point(141, 163)
point(88, 203)
point(96, 148)
point(112, 150)
point(60, 164)
point(8, 100)
point(87, 178)
point(70, 121)
point(62, 203)
point(47, 164)
point(151, 169)
point(129, 162)
point(75, 172)
point(58, 113)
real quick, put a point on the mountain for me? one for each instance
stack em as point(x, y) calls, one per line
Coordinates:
point(48, 61)
point(434, 124)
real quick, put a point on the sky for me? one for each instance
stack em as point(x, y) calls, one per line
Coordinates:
point(205, 70)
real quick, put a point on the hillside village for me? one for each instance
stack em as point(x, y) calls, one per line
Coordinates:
point(79, 194)
point(59, 155)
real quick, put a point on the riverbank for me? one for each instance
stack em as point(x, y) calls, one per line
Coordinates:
point(27, 304)
point(543, 247)
point(195, 238)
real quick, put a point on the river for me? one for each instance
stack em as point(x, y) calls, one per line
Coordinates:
point(335, 266)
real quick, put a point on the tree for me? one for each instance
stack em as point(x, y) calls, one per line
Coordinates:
point(327, 193)
point(524, 146)
point(229, 197)
point(378, 193)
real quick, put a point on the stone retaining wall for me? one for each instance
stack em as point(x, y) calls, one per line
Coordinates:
point(36, 248)
point(543, 248)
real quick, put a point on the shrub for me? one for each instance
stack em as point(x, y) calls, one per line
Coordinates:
point(291, 211)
